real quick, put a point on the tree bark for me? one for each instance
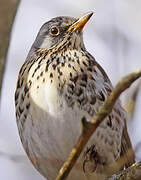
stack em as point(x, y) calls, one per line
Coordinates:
point(8, 10)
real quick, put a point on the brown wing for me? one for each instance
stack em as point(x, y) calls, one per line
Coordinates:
point(126, 148)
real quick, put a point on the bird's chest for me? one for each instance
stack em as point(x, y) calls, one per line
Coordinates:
point(57, 126)
point(48, 99)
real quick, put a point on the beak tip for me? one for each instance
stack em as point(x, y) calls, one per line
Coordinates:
point(89, 14)
point(80, 23)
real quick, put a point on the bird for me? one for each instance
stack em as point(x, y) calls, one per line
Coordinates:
point(60, 85)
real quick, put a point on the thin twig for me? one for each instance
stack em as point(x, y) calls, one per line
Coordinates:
point(90, 127)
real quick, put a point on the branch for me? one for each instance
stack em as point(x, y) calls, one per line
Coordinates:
point(90, 127)
point(133, 172)
point(7, 13)
point(132, 101)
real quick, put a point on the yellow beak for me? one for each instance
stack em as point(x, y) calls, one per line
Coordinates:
point(80, 23)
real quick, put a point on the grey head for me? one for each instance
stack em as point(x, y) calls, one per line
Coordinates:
point(58, 31)
point(53, 32)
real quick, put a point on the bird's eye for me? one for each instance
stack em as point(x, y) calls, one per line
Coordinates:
point(54, 31)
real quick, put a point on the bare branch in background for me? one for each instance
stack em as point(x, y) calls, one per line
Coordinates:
point(90, 127)
point(8, 10)
point(131, 103)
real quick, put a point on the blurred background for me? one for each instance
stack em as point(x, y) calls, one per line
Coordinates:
point(112, 36)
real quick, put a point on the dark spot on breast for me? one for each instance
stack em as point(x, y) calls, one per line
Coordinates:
point(18, 84)
point(51, 75)
point(78, 61)
point(61, 73)
point(57, 60)
point(25, 116)
point(54, 66)
point(95, 71)
point(74, 68)
point(48, 61)
point(69, 58)
point(69, 37)
point(37, 77)
point(23, 71)
point(109, 122)
point(83, 84)
point(102, 97)
point(27, 105)
point(84, 77)
point(89, 69)
point(41, 74)
point(22, 97)
point(36, 70)
point(69, 100)
point(22, 81)
point(69, 65)
point(93, 100)
point(84, 63)
point(27, 95)
point(43, 79)
point(81, 70)
point(17, 115)
point(78, 91)
point(30, 82)
point(74, 79)
point(108, 90)
point(69, 44)
point(37, 87)
point(62, 64)
point(40, 60)
point(58, 69)
point(84, 120)
point(91, 63)
point(26, 89)
point(70, 74)
point(75, 55)
point(21, 110)
point(72, 60)
point(79, 101)
point(46, 68)
point(92, 78)
point(16, 95)
point(71, 86)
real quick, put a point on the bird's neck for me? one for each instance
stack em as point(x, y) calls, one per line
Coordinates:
point(70, 43)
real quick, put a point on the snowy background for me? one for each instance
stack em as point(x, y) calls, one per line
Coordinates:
point(113, 36)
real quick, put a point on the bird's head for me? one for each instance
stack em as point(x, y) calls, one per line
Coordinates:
point(60, 31)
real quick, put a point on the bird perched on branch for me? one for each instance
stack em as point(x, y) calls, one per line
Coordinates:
point(59, 85)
